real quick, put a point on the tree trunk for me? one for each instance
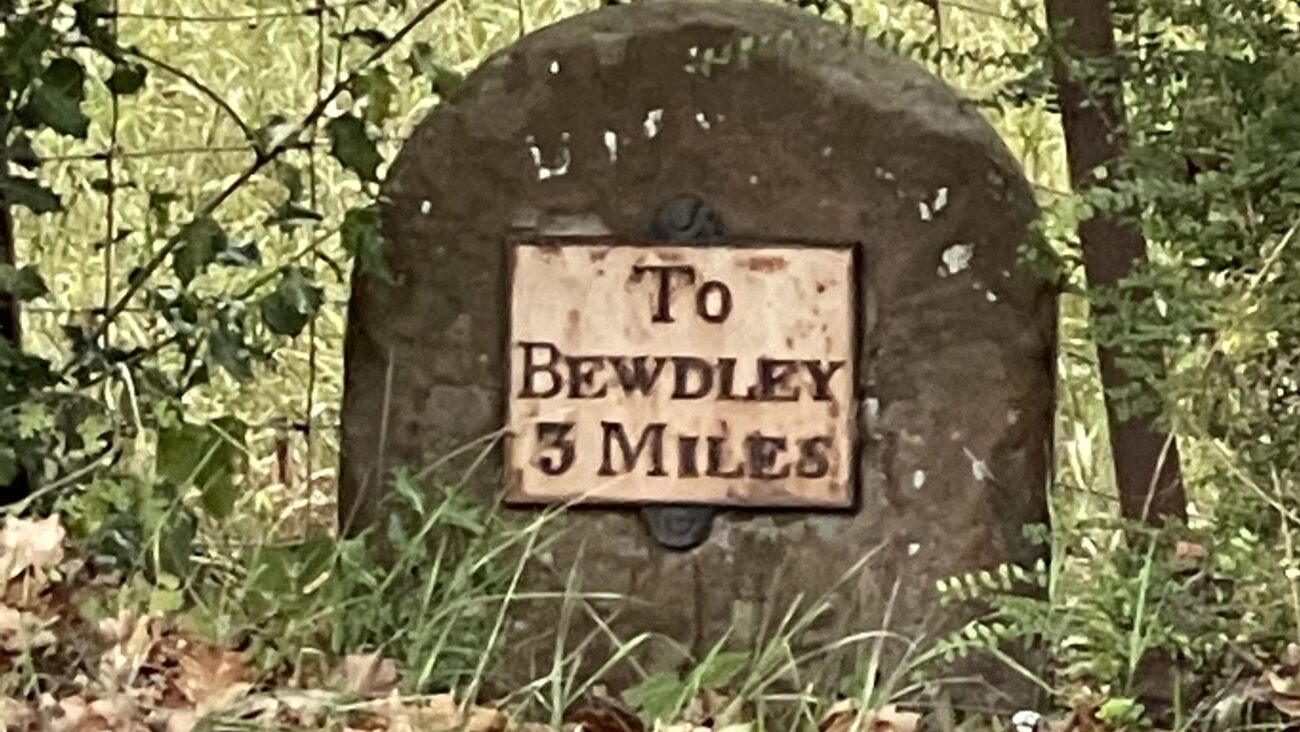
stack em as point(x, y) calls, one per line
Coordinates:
point(10, 326)
point(1147, 469)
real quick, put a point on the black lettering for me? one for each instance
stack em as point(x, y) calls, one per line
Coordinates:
point(662, 311)
point(634, 374)
point(814, 460)
point(686, 463)
point(724, 301)
point(582, 374)
point(727, 380)
point(554, 436)
point(713, 466)
point(532, 368)
point(763, 452)
point(652, 438)
point(821, 373)
point(773, 373)
point(683, 367)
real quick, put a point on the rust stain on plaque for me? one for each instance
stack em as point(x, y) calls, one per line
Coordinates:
point(681, 374)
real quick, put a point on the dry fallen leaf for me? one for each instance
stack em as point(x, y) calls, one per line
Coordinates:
point(440, 713)
point(1284, 694)
point(26, 544)
point(81, 714)
point(21, 631)
point(368, 674)
point(212, 678)
point(1189, 555)
point(842, 716)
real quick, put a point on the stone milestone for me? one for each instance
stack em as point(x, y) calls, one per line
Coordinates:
point(846, 379)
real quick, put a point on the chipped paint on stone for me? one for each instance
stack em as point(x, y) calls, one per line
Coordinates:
point(545, 171)
point(653, 119)
point(957, 257)
point(978, 468)
point(940, 200)
point(924, 209)
point(611, 144)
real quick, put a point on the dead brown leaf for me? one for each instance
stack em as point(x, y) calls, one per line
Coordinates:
point(843, 715)
point(212, 678)
point(368, 674)
point(440, 713)
point(27, 544)
point(82, 714)
point(21, 631)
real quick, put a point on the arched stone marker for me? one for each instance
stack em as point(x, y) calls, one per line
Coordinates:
point(790, 131)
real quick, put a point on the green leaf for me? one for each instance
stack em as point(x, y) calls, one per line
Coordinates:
point(207, 457)
point(22, 284)
point(719, 670)
point(22, 154)
point(370, 36)
point(201, 241)
point(175, 543)
point(226, 348)
point(127, 78)
point(657, 697)
point(352, 146)
point(21, 49)
point(29, 192)
point(424, 62)
point(363, 238)
point(55, 100)
point(288, 309)
point(376, 87)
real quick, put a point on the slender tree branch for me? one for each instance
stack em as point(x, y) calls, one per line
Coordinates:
point(263, 158)
point(201, 87)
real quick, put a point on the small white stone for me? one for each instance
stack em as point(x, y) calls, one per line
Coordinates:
point(555, 67)
point(940, 199)
point(611, 144)
point(426, 206)
point(753, 180)
point(652, 120)
point(924, 209)
point(918, 479)
point(702, 121)
point(826, 151)
point(957, 257)
point(990, 296)
point(913, 548)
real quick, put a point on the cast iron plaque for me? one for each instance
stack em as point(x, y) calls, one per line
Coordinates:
point(663, 373)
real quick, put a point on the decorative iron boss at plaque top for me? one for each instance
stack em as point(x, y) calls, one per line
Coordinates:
point(681, 375)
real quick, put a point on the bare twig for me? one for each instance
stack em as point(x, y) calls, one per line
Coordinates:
point(263, 158)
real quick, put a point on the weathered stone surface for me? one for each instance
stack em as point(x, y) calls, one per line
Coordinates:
point(587, 127)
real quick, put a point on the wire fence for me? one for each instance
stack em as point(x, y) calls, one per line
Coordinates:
point(209, 72)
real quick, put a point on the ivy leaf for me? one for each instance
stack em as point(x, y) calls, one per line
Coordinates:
point(201, 241)
point(89, 17)
point(287, 310)
point(378, 89)
point(352, 146)
point(22, 284)
point(127, 78)
point(424, 62)
point(55, 100)
point(25, 42)
point(30, 193)
point(22, 154)
point(226, 348)
point(363, 238)
point(206, 456)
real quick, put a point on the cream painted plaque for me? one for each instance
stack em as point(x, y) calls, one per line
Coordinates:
point(656, 373)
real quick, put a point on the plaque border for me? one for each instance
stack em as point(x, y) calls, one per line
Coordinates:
point(514, 498)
